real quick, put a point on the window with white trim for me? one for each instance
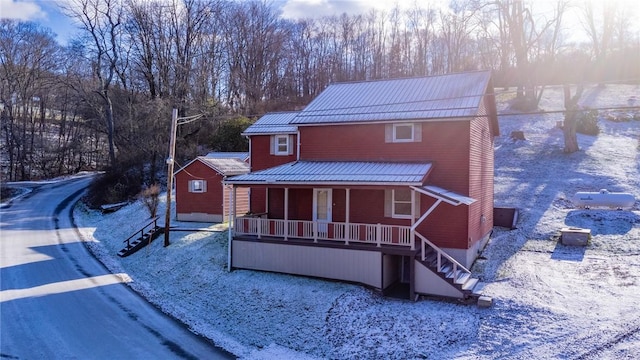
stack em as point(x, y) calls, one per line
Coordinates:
point(403, 132)
point(281, 144)
point(197, 186)
point(401, 203)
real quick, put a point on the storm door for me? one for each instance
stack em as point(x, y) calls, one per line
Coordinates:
point(322, 210)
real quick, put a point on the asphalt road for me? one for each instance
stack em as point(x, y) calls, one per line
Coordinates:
point(58, 302)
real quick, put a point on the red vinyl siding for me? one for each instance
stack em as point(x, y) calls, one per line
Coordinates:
point(446, 226)
point(461, 153)
point(481, 158)
point(445, 144)
point(209, 202)
point(242, 201)
point(257, 200)
point(261, 157)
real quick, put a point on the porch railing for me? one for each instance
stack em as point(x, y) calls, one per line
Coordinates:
point(379, 234)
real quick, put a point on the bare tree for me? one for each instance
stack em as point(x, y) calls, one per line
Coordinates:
point(571, 118)
point(102, 22)
point(28, 60)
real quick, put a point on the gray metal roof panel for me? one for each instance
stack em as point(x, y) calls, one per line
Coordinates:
point(444, 96)
point(273, 123)
point(338, 172)
point(228, 155)
point(447, 195)
point(226, 166)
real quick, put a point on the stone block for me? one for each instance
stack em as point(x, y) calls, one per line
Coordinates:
point(485, 301)
point(575, 236)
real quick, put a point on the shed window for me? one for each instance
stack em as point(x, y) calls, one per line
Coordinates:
point(401, 203)
point(197, 186)
point(282, 145)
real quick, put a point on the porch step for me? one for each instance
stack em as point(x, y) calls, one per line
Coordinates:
point(478, 289)
point(469, 284)
point(463, 281)
point(463, 278)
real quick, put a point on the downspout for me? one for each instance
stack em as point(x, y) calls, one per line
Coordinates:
point(298, 145)
point(250, 158)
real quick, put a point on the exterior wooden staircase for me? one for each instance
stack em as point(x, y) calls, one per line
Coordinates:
point(450, 270)
point(141, 238)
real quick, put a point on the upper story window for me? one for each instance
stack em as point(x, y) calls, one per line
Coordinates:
point(282, 144)
point(197, 186)
point(403, 132)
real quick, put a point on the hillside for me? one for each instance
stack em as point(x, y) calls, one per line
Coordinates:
point(550, 300)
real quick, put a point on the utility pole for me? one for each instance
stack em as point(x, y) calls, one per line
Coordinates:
point(170, 162)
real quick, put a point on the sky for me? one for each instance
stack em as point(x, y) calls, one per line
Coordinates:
point(44, 12)
point(48, 14)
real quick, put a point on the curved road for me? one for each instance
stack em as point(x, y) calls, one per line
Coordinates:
point(58, 302)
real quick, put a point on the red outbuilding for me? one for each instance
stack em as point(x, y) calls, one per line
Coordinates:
point(387, 183)
point(201, 194)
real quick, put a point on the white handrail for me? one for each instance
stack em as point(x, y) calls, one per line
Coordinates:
point(378, 234)
point(439, 254)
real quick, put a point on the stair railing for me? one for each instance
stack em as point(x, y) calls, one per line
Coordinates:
point(440, 254)
point(153, 221)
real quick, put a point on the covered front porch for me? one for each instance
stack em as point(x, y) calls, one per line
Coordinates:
point(353, 230)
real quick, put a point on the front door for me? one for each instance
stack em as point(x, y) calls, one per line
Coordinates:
point(322, 210)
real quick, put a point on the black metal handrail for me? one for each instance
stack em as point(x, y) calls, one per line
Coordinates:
point(153, 221)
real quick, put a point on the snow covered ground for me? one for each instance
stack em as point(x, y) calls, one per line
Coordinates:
point(550, 300)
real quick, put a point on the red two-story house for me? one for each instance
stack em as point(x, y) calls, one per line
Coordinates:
point(385, 183)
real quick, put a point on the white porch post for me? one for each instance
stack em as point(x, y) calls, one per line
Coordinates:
point(286, 213)
point(232, 222)
point(413, 219)
point(347, 231)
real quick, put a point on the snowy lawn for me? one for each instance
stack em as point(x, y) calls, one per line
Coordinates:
point(550, 300)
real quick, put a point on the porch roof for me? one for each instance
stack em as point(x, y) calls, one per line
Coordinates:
point(337, 173)
point(445, 195)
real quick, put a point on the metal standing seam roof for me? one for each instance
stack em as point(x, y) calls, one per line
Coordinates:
point(447, 196)
point(228, 155)
point(223, 166)
point(435, 97)
point(273, 123)
point(338, 172)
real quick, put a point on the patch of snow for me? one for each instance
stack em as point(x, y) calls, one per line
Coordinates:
point(550, 300)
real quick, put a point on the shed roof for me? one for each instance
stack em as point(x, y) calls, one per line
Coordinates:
point(223, 166)
point(273, 123)
point(338, 173)
point(228, 155)
point(456, 95)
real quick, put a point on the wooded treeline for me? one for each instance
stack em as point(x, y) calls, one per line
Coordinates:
point(104, 100)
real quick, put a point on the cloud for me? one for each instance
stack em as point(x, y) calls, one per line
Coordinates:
point(20, 10)
point(296, 9)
